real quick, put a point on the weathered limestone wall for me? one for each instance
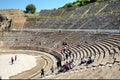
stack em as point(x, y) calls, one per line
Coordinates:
point(18, 22)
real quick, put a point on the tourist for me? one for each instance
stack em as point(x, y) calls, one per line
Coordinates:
point(73, 64)
point(62, 69)
point(83, 60)
point(42, 72)
point(65, 48)
point(58, 63)
point(67, 66)
point(70, 53)
point(15, 57)
point(62, 51)
point(66, 55)
point(52, 69)
point(12, 60)
point(90, 60)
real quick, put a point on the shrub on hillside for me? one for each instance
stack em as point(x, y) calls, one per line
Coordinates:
point(100, 0)
point(79, 3)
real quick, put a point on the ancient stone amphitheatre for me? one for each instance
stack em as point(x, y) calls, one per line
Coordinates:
point(90, 30)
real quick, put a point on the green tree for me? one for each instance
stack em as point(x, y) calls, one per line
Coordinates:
point(68, 5)
point(30, 8)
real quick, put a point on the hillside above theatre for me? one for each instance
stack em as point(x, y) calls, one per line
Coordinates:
point(97, 15)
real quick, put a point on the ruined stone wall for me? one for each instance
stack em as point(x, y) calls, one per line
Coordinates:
point(18, 22)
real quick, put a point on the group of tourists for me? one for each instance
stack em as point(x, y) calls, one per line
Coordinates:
point(67, 66)
point(59, 64)
point(66, 53)
point(13, 59)
point(87, 61)
point(43, 72)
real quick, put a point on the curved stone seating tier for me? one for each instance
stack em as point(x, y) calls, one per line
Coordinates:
point(48, 23)
point(112, 50)
point(82, 52)
point(98, 60)
point(98, 50)
point(94, 50)
point(76, 52)
point(113, 44)
point(114, 40)
point(73, 54)
point(82, 23)
point(91, 51)
point(81, 11)
point(88, 49)
point(117, 36)
point(107, 58)
point(51, 61)
point(26, 38)
point(107, 48)
point(70, 25)
point(51, 12)
point(103, 49)
point(29, 24)
point(67, 14)
point(108, 45)
point(112, 6)
point(86, 52)
point(94, 20)
point(95, 8)
point(115, 51)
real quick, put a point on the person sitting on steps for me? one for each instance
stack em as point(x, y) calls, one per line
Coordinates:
point(90, 60)
point(83, 60)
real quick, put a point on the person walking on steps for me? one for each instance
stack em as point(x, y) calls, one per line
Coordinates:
point(42, 72)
